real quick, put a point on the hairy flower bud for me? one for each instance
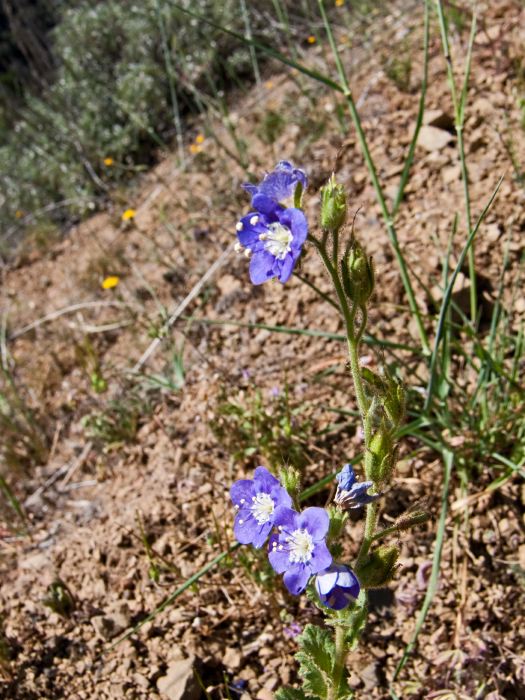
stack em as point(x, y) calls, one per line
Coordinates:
point(379, 568)
point(290, 479)
point(380, 456)
point(333, 205)
point(358, 274)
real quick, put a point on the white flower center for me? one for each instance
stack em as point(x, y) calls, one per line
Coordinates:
point(262, 507)
point(278, 240)
point(301, 546)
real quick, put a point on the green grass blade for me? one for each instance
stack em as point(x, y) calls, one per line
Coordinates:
point(436, 564)
point(419, 119)
point(367, 339)
point(447, 298)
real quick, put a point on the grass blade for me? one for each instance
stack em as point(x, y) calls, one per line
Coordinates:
point(436, 563)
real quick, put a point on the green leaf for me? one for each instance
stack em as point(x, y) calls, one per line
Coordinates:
point(291, 694)
point(316, 660)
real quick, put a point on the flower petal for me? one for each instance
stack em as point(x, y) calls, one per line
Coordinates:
point(286, 268)
point(278, 558)
point(325, 581)
point(321, 558)
point(316, 521)
point(296, 578)
point(241, 489)
point(261, 267)
point(260, 537)
point(245, 527)
point(266, 205)
point(287, 518)
point(264, 480)
point(297, 223)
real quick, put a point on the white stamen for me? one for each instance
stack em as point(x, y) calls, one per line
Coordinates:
point(241, 522)
point(254, 220)
point(263, 507)
point(301, 547)
point(247, 253)
point(279, 240)
point(263, 236)
point(238, 247)
point(239, 226)
point(243, 500)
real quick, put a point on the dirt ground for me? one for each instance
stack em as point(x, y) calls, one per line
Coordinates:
point(104, 513)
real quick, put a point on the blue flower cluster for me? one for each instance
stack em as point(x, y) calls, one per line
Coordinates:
point(272, 235)
point(297, 545)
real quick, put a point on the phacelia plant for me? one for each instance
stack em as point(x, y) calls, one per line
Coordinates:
point(305, 546)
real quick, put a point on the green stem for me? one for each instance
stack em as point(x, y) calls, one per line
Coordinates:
point(459, 118)
point(392, 234)
point(372, 513)
point(339, 662)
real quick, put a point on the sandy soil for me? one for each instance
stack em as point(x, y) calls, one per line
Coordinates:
point(100, 512)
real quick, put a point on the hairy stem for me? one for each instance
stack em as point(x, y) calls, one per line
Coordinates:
point(339, 662)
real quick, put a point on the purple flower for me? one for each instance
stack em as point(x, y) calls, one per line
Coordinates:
point(273, 237)
point(351, 494)
point(299, 549)
point(337, 586)
point(279, 184)
point(256, 502)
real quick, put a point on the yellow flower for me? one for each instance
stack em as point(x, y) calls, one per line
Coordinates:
point(128, 215)
point(19, 214)
point(110, 282)
point(339, 3)
point(268, 85)
point(108, 161)
point(199, 138)
point(312, 39)
point(194, 148)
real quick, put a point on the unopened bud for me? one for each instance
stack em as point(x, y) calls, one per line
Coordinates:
point(333, 205)
point(379, 568)
point(379, 457)
point(358, 274)
point(408, 520)
point(291, 480)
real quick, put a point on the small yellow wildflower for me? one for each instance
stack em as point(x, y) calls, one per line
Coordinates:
point(199, 138)
point(108, 161)
point(110, 282)
point(195, 148)
point(268, 85)
point(311, 39)
point(339, 3)
point(128, 215)
point(19, 214)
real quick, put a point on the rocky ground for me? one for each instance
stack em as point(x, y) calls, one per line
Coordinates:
point(124, 515)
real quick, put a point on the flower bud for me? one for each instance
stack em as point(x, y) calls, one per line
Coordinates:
point(358, 274)
point(379, 568)
point(409, 520)
point(337, 586)
point(379, 457)
point(333, 205)
point(290, 479)
point(337, 522)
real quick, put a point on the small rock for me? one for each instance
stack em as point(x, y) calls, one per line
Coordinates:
point(232, 658)
point(451, 174)
point(439, 119)
point(433, 139)
point(265, 694)
point(228, 284)
point(180, 683)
